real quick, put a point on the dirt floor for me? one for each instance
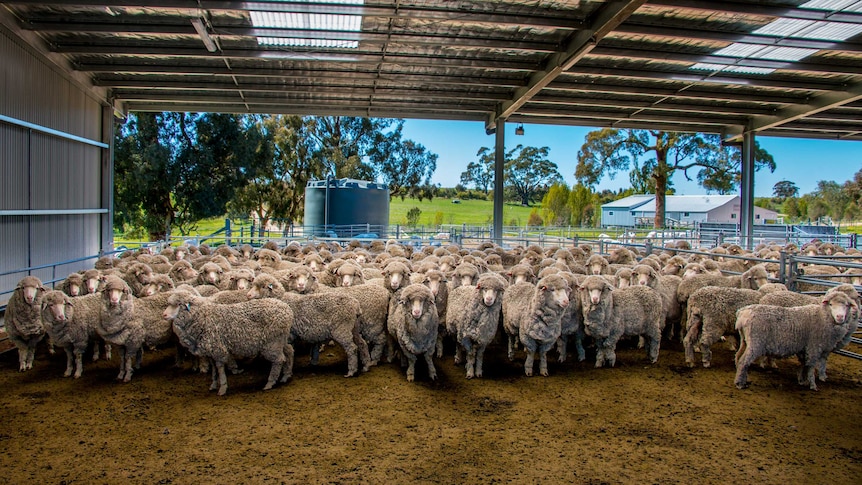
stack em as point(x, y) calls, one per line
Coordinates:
point(662, 423)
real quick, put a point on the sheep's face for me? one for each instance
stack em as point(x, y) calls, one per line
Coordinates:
point(30, 292)
point(92, 285)
point(466, 280)
point(840, 308)
point(691, 272)
point(212, 274)
point(149, 290)
point(74, 289)
point(172, 311)
point(594, 294)
point(624, 282)
point(313, 265)
point(299, 281)
point(114, 295)
point(56, 307)
point(489, 295)
point(241, 282)
point(595, 267)
point(560, 296)
point(433, 283)
point(520, 278)
point(644, 279)
point(417, 307)
point(179, 254)
point(396, 279)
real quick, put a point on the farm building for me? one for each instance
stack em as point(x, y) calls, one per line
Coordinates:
point(637, 210)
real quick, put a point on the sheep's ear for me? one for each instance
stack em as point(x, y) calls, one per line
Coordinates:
point(478, 286)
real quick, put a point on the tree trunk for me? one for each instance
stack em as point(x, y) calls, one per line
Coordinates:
point(660, 176)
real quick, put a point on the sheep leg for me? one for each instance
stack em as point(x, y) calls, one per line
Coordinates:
point(543, 363)
point(139, 358)
point(70, 358)
point(122, 373)
point(287, 371)
point(511, 347)
point(274, 371)
point(821, 369)
point(350, 349)
point(470, 350)
point(131, 358)
point(480, 356)
point(213, 373)
point(653, 344)
point(95, 350)
point(459, 353)
point(743, 361)
point(691, 336)
point(79, 361)
point(222, 378)
point(608, 351)
point(362, 348)
point(562, 343)
point(31, 351)
point(315, 353)
point(411, 366)
point(22, 352)
point(528, 363)
point(438, 346)
point(579, 345)
point(379, 343)
point(432, 371)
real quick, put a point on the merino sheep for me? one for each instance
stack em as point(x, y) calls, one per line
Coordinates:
point(521, 273)
point(23, 320)
point(137, 276)
point(183, 272)
point(476, 324)
point(71, 323)
point(810, 332)
point(413, 323)
point(516, 306)
point(712, 315)
point(118, 326)
point(244, 330)
point(610, 314)
point(666, 286)
point(321, 317)
point(597, 265)
point(73, 285)
point(436, 281)
point(541, 327)
point(571, 323)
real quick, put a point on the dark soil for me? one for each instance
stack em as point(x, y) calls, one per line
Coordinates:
point(636, 423)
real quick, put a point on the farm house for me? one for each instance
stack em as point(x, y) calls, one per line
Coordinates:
point(683, 210)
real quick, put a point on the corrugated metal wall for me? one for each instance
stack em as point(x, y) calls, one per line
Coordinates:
point(43, 171)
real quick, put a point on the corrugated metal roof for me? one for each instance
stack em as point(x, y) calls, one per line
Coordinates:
point(629, 202)
point(682, 65)
point(689, 203)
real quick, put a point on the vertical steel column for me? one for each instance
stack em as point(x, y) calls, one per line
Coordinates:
point(499, 162)
point(746, 208)
point(106, 243)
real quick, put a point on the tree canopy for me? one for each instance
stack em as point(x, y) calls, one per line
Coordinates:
point(608, 151)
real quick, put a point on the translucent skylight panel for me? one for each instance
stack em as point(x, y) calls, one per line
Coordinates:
point(706, 66)
point(295, 42)
point(739, 50)
point(783, 53)
point(828, 4)
point(281, 20)
point(749, 70)
point(810, 29)
point(309, 21)
point(784, 27)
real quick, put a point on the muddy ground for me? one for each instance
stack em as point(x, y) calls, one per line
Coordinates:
point(636, 423)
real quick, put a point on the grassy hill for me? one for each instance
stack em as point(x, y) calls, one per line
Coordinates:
point(443, 211)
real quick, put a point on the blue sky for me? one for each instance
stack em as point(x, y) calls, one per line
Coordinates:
point(801, 161)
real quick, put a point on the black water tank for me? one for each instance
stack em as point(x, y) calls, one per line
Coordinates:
point(358, 203)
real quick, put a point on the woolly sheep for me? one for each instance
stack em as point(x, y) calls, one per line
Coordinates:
point(183, 272)
point(666, 286)
point(211, 274)
point(465, 274)
point(711, 314)
point(610, 314)
point(395, 275)
point(117, 324)
point(597, 265)
point(515, 307)
point(436, 281)
point(541, 326)
point(244, 330)
point(137, 276)
point(320, 317)
point(413, 323)
point(810, 332)
point(71, 323)
point(73, 285)
point(476, 323)
point(23, 320)
point(92, 280)
point(521, 273)
point(571, 323)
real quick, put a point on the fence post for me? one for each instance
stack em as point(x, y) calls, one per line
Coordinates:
point(782, 270)
point(397, 231)
point(227, 232)
point(648, 247)
point(791, 279)
point(575, 241)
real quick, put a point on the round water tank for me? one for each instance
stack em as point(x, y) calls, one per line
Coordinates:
point(348, 208)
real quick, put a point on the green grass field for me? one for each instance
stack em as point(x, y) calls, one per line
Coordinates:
point(443, 211)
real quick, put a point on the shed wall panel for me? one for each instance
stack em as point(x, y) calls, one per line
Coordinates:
point(44, 171)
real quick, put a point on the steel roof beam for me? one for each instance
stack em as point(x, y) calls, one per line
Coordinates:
point(609, 16)
point(541, 17)
point(818, 104)
point(761, 9)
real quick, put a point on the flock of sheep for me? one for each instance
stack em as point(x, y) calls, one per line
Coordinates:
point(387, 301)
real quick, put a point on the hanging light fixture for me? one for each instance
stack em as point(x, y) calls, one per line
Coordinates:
point(519, 130)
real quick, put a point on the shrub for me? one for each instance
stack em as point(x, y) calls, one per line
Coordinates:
point(413, 216)
point(535, 219)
